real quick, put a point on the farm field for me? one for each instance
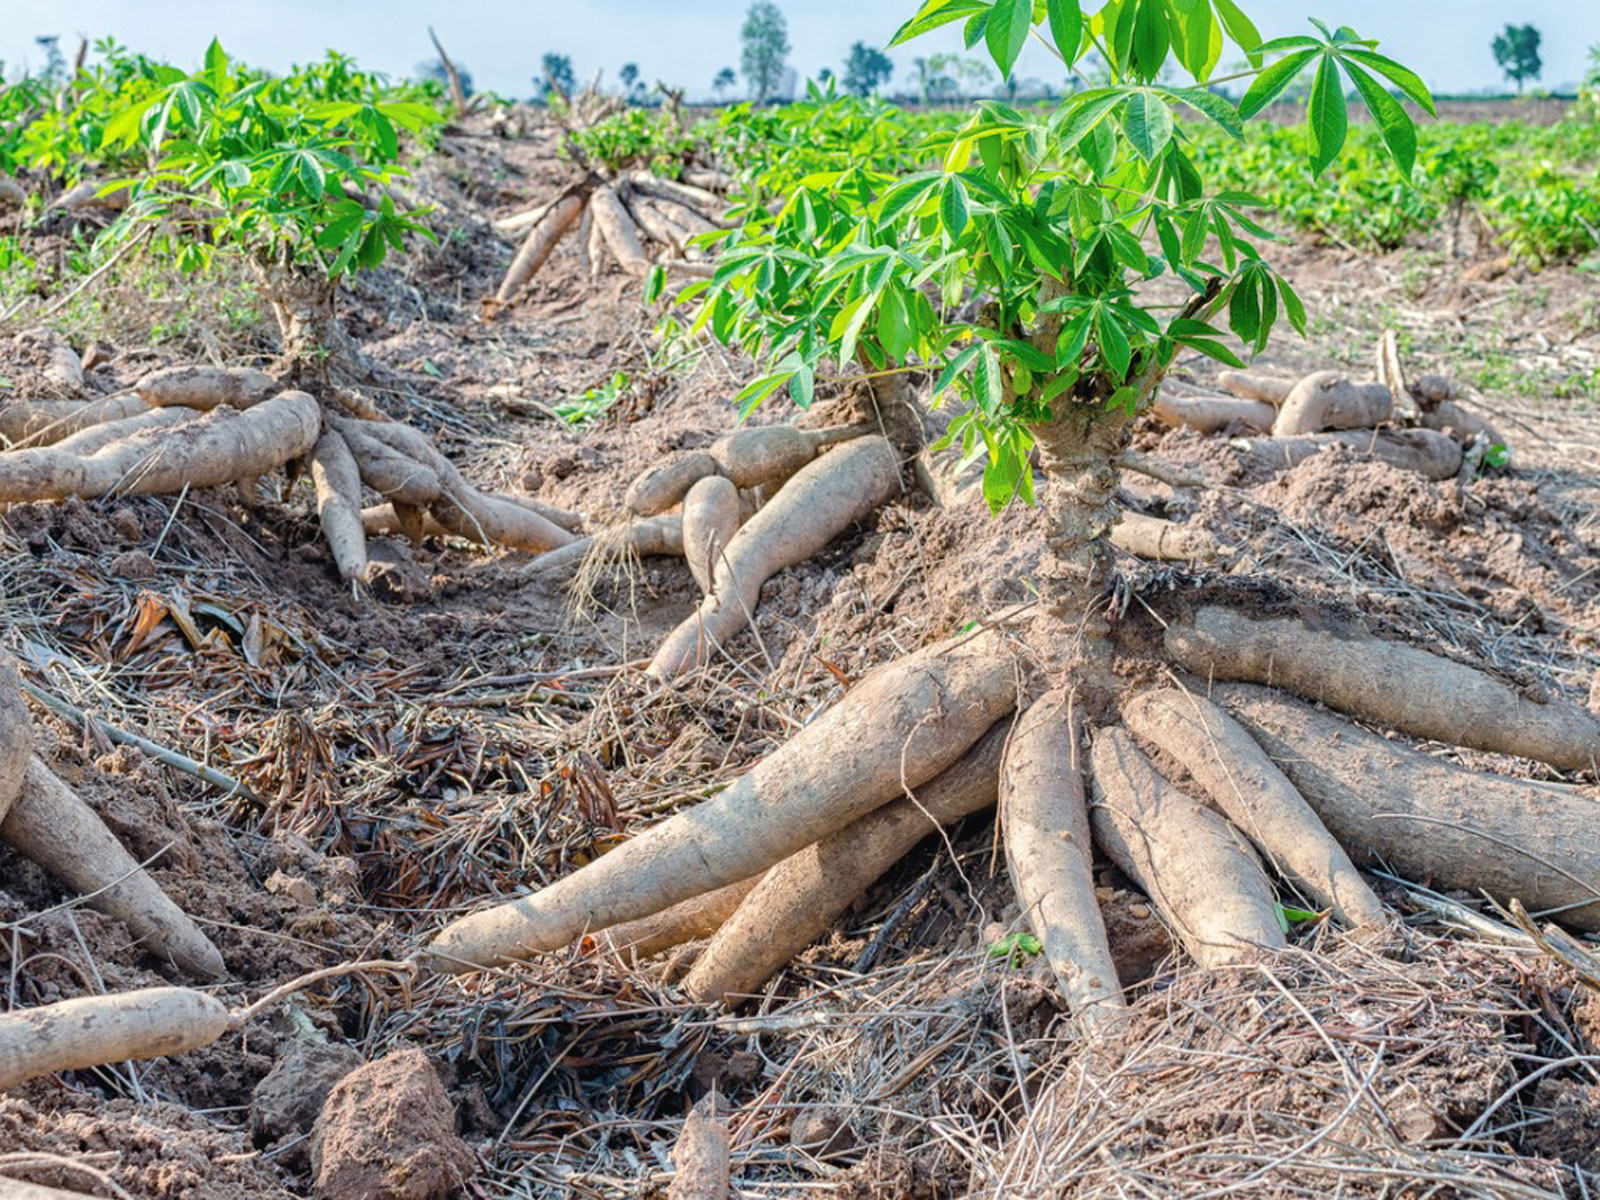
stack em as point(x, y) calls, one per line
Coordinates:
point(804, 649)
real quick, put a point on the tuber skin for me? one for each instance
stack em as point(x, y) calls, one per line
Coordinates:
point(752, 457)
point(1191, 863)
point(205, 388)
point(1210, 413)
point(1163, 541)
point(824, 498)
point(94, 1030)
point(711, 513)
point(659, 488)
point(697, 917)
point(797, 900)
point(1436, 821)
point(538, 245)
point(53, 827)
point(1045, 825)
point(1432, 455)
point(206, 451)
point(337, 483)
point(661, 535)
point(1404, 687)
point(1328, 400)
point(898, 727)
point(1257, 385)
point(1244, 783)
point(616, 227)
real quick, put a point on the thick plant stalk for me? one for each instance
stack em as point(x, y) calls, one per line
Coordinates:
point(620, 233)
point(1045, 824)
point(1432, 455)
point(1244, 783)
point(710, 519)
point(697, 917)
point(1197, 869)
point(1209, 412)
point(538, 245)
point(1163, 541)
point(1401, 686)
point(1257, 385)
point(823, 499)
point(50, 825)
point(95, 1030)
point(205, 388)
point(897, 728)
point(1328, 400)
point(1436, 821)
point(338, 489)
point(801, 897)
point(208, 451)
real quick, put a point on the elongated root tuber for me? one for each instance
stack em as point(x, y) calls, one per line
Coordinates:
point(654, 535)
point(1242, 781)
point(697, 917)
point(1435, 820)
point(748, 457)
point(1163, 541)
point(1045, 824)
point(1257, 385)
point(821, 500)
point(897, 728)
point(205, 388)
point(1328, 400)
point(1430, 454)
point(1350, 670)
point(338, 487)
point(1197, 869)
point(1209, 412)
point(710, 519)
point(805, 893)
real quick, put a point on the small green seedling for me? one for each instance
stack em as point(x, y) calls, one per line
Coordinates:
point(1016, 946)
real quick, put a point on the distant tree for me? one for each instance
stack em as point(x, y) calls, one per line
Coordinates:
point(55, 63)
point(434, 69)
point(557, 75)
point(724, 80)
point(824, 75)
point(765, 39)
point(866, 68)
point(1516, 49)
point(632, 86)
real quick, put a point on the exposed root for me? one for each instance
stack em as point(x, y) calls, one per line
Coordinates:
point(1329, 400)
point(710, 520)
point(1164, 541)
point(688, 920)
point(821, 500)
point(593, 553)
point(1401, 686)
point(1045, 823)
point(897, 728)
point(1431, 455)
point(1257, 385)
point(338, 487)
point(621, 235)
point(1434, 820)
point(1242, 781)
point(1209, 412)
point(206, 388)
point(797, 900)
point(1196, 868)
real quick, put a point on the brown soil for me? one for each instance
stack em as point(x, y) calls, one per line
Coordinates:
point(417, 755)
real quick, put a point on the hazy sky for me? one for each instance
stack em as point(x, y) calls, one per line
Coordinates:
point(685, 43)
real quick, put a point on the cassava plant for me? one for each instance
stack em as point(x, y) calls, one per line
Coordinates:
point(300, 177)
point(1048, 272)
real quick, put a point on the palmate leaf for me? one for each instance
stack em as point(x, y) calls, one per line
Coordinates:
point(1268, 85)
point(1326, 118)
point(1394, 125)
point(1006, 32)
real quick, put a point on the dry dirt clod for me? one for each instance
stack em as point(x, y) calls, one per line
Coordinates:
point(387, 1132)
point(285, 1104)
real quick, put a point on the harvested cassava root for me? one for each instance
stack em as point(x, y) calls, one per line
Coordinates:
point(806, 892)
point(624, 217)
point(820, 501)
point(1345, 667)
point(897, 728)
point(45, 821)
point(207, 426)
point(93, 1031)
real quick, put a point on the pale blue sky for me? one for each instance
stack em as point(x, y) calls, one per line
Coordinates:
point(685, 43)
